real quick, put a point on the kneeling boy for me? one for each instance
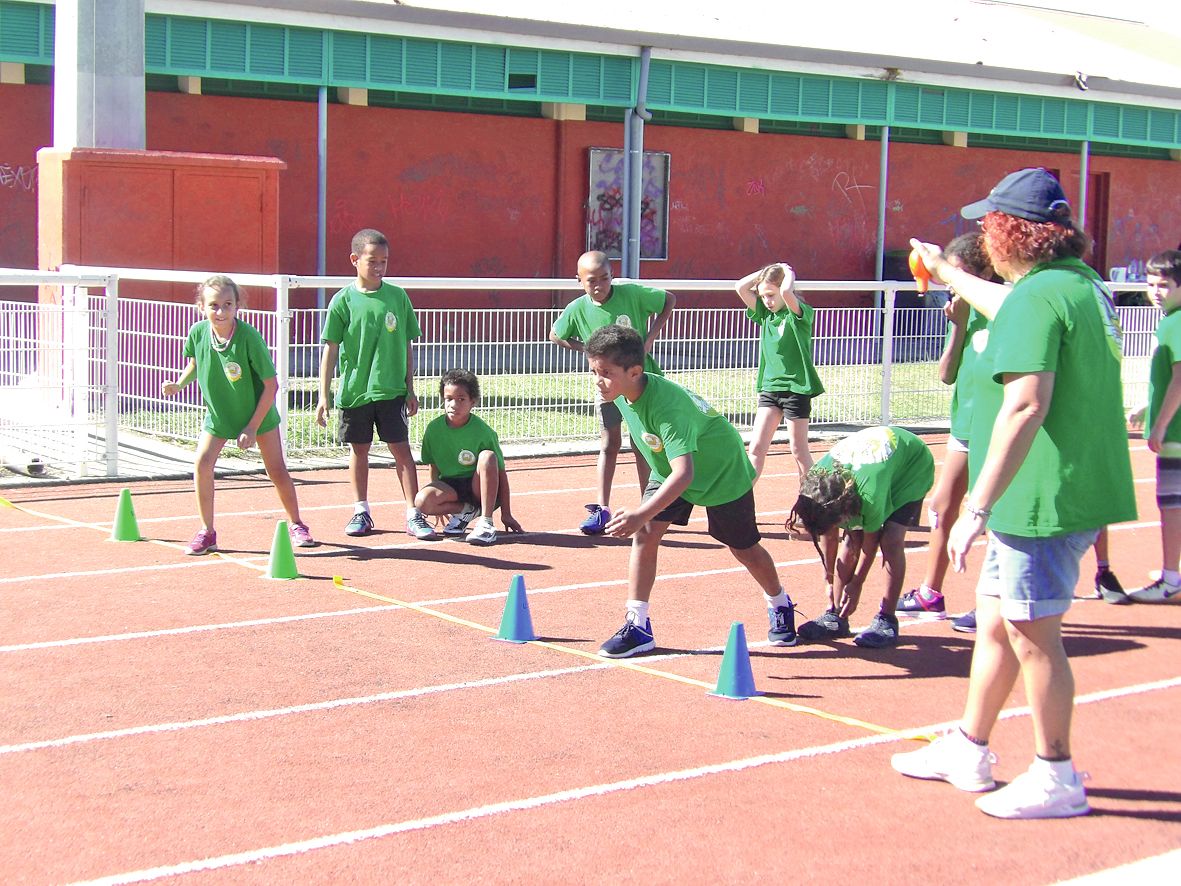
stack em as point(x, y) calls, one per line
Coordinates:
point(697, 458)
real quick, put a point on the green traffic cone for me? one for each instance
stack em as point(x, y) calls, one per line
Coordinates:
point(735, 680)
point(282, 564)
point(516, 625)
point(125, 527)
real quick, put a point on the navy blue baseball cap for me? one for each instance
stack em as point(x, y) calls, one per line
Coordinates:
point(1032, 194)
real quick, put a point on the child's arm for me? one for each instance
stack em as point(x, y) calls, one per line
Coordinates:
point(270, 386)
point(658, 324)
point(171, 388)
point(570, 344)
point(327, 370)
point(788, 289)
point(411, 400)
point(746, 289)
point(844, 584)
point(1168, 409)
point(956, 312)
point(625, 523)
point(506, 514)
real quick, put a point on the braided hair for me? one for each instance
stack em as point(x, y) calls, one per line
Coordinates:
point(827, 498)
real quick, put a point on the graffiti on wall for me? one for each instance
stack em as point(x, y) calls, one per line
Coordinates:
point(604, 207)
point(18, 178)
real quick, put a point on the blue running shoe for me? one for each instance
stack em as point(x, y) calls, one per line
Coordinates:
point(596, 522)
point(783, 626)
point(882, 633)
point(361, 524)
point(966, 623)
point(631, 639)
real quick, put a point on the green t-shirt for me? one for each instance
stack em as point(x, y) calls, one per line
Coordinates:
point(454, 450)
point(1078, 472)
point(975, 340)
point(630, 305)
point(785, 350)
point(231, 379)
point(891, 468)
point(374, 330)
point(1167, 353)
point(668, 421)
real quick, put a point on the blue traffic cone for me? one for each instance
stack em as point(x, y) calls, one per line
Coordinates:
point(515, 625)
point(735, 679)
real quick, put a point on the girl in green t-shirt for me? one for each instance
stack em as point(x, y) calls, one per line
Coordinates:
point(236, 376)
point(787, 379)
point(468, 479)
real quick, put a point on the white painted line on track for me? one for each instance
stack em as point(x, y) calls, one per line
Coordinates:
point(310, 707)
point(1158, 869)
point(474, 813)
point(443, 601)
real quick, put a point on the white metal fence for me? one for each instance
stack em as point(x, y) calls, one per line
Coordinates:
point(84, 365)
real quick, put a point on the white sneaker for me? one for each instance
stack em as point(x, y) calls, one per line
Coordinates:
point(951, 758)
point(1160, 591)
point(483, 532)
point(1037, 793)
point(457, 524)
point(417, 526)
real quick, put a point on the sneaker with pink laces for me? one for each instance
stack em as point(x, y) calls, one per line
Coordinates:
point(301, 536)
point(203, 542)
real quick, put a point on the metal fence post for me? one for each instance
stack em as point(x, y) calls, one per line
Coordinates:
point(111, 388)
point(283, 351)
point(890, 295)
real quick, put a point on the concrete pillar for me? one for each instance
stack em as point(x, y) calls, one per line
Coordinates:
point(1174, 154)
point(189, 85)
point(562, 111)
point(12, 72)
point(855, 131)
point(955, 139)
point(745, 124)
point(98, 70)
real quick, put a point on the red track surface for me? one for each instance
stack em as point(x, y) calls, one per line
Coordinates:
point(151, 706)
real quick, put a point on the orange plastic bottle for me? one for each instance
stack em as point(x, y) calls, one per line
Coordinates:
point(922, 276)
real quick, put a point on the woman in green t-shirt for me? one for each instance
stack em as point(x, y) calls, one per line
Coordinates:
point(1048, 466)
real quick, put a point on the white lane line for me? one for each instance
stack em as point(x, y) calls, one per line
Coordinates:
point(477, 812)
point(247, 716)
point(443, 601)
point(1158, 869)
point(536, 802)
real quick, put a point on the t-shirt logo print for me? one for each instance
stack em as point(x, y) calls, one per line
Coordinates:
point(391, 321)
point(624, 320)
point(233, 370)
point(652, 442)
point(466, 457)
point(869, 447)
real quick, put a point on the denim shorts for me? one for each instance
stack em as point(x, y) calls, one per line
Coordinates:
point(1033, 577)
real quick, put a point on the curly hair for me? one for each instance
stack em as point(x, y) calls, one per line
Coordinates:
point(827, 498)
point(969, 249)
point(1008, 237)
point(463, 378)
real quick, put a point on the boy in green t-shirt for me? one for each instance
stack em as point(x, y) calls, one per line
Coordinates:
point(468, 479)
point(696, 458)
point(369, 330)
point(631, 305)
point(871, 484)
point(787, 379)
point(1162, 423)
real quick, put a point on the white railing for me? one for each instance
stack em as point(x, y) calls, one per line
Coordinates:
point(105, 357)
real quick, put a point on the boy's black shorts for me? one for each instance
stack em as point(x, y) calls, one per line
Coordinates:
point(388, 416)
point(793, 405)
point(463, 489)
point(732, 523)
